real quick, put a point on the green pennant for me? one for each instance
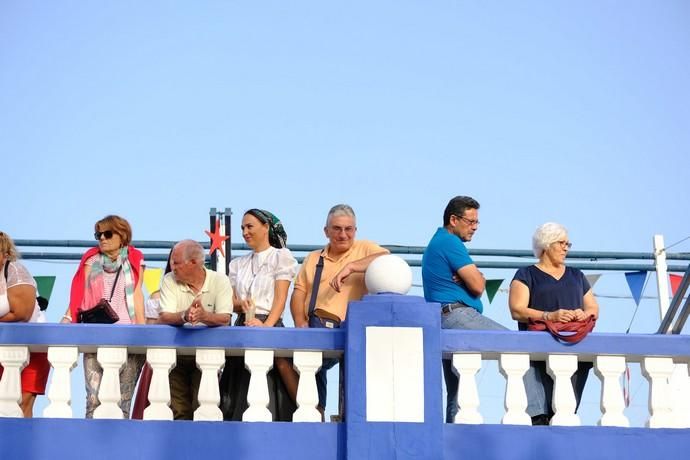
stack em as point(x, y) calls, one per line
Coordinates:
point(45, 285)
point(492, 288)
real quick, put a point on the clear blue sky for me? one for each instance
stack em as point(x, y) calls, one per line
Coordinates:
point(577, 112)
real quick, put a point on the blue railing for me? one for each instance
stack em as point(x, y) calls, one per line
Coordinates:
point(392, 343)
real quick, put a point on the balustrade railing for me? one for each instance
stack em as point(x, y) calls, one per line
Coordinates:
point(663, 359)
point(609, 354)
point(392, 348)
point(162, 345)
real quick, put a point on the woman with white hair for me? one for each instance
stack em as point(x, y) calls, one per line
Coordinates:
point(550, 290)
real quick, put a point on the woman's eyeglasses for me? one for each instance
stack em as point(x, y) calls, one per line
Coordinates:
point(565, 244)
point(106, 234)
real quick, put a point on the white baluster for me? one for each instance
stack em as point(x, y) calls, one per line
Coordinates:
point(307, 364)
point(680, 384)
point(161, 361)
point(111, 360)
point(467, 366)
point(658, 371)
point(210, 362)
point(13, 359)
point(513, 368)
point(561, 368)
point(609, 370)
point(258, 362)
point(63, 360)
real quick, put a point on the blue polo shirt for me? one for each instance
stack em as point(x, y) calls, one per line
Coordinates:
point(444, 255)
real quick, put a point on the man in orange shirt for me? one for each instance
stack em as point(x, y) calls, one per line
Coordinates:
point(320, 297)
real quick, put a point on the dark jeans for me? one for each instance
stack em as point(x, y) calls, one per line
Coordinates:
point(578, 379)
point(468, 318)
point(328, 363)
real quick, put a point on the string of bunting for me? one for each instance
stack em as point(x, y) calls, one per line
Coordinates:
point(636, 283)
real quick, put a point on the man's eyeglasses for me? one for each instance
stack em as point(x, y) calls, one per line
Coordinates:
point(106, 234)
point(469, 222)
point(565, 244)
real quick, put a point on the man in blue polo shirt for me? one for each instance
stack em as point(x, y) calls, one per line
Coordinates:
point(451, 278)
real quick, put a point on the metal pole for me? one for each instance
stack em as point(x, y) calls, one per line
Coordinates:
point(228, 242)
point(661, 274)
point(212, 218)
point(221, 265)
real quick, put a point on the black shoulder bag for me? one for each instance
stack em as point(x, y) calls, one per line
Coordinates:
point(102, 312)
point(321, 317)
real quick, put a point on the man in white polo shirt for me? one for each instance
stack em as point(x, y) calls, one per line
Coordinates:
point(191, 294)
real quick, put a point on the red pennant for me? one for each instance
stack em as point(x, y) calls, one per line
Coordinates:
point(675, 283)
point(216, 239)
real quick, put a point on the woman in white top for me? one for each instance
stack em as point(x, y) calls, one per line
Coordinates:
point(263, 276)
point(18, 304)
point(260, 280)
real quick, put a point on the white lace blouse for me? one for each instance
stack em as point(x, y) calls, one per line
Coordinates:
point(16, 274)
point(254, 275)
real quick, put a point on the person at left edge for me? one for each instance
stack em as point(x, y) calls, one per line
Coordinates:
point(18, 303)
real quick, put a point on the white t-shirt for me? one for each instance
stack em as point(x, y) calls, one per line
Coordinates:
point(17, 274)
point(254, 275)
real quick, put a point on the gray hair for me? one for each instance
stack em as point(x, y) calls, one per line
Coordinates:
point(545, 235)
point(192, 251)
point(340, 210)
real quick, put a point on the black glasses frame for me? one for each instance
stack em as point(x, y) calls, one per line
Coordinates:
point(107, 234)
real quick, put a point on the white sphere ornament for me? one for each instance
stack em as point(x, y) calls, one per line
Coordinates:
point(389, 274)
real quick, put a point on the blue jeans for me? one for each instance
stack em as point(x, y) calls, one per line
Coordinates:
point(545, 389)
point(470, 319)
point(327, 363)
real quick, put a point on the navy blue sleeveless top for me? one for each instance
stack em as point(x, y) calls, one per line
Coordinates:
point(546, 293)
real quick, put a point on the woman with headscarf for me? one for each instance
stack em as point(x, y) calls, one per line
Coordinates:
point(111, 271)
point(550, 290)
point(260, 282)
point(18, 304)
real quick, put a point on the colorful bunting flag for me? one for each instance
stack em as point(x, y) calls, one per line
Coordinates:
point(636, 283)
point(492, 288)
point(152, 279)
point(675, 282)
point(44, 286)
point(592, 279)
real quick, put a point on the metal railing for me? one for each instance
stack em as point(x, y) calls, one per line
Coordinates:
point(584, 260)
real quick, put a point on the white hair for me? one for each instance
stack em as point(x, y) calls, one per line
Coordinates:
point(340, 210)
point(545, 235)
point(191, 251)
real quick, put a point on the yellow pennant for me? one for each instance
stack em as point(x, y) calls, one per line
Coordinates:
point(152, 279)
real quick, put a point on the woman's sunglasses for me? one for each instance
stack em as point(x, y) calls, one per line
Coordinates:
point(107, 234)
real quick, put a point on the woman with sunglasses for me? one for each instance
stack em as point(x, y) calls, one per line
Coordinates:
point(112, 271)
point(18, 303)
point(550, 290)
point(260, 282)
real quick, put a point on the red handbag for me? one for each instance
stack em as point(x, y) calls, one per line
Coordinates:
point(571, 332)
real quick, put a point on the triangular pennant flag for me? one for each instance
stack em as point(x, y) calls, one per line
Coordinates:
point(592, 279)
point(44, 285)
point(152, 279)
point(636, 282)
point(492, 288)
point(675, 283)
